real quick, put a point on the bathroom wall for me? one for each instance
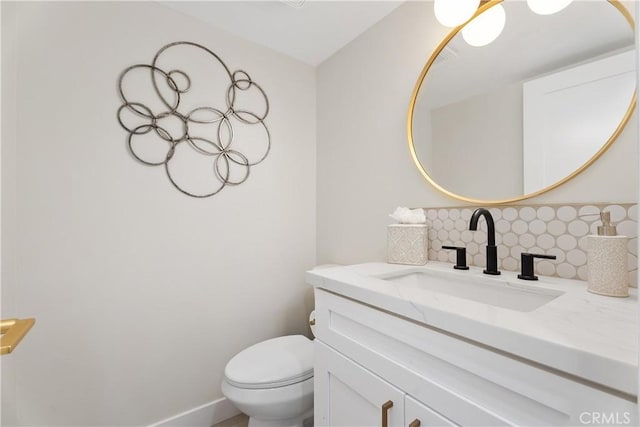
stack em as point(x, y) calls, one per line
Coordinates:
point(141, 294)
point(492, 121)
point(364, 166)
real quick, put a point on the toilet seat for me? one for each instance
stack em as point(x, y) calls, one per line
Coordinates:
point(274, 363)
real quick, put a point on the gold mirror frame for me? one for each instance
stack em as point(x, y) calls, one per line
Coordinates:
point(615, 3)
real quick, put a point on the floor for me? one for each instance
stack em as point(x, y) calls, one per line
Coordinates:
point(243, 421)
point(237, 421)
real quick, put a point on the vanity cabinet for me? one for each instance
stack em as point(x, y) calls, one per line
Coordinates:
point(367, 357)
point(354, 396)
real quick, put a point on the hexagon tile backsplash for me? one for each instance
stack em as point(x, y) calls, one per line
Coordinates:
point(558, 230)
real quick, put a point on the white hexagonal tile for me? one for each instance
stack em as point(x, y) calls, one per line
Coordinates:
point(503, 226)
point(443, 235)
point(589, 211)
point(454, 235)
point(567, 213)
point(556, 228)
point(510, 264)
point(432, 234)
point(496, 213)
point(632, 212)
point(510, 239)
point(546, 241)
point(503, 251)
point(432, 214)
point(536, 250)
point(473, 248)
point(479, 260)
point(443, 256)
point(559, 253)
point(618, 213)
point(448, 224)
point(480, 236)
point(633, 278)
point(576, 257)
point(566, 271)
point(465, 214)
point(509, 214)
point(578, 228)
point(627, 228)
point(545, 268)
point(516, 251)
point(583, 273)
point(537, 226)
point(527, 241)
point(519, 226)
point(527, 213)
point(545, 213)
point(454, 214)
point(437, 224)
point(632, 246)
point(461, 225)
point(583, 243)
point(467, 236)
point(567, 242)
point(436, 245)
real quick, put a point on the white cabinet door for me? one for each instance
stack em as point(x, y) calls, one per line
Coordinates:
point(346, 394)
point(418, 415)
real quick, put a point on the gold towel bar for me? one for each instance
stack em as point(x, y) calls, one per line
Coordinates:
point(13, 330)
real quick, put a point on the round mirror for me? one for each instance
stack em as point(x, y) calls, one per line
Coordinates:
point(529, 111)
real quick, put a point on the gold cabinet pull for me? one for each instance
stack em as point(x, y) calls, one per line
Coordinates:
point(385, 412)
point(415, 423)
point(13, 330)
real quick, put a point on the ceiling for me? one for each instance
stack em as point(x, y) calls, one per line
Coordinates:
point(310, 31)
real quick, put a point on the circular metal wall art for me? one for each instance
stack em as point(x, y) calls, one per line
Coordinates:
point(171, 124)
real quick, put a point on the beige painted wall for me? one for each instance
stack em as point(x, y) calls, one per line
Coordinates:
point(364, 166)
point(141, 294)
point(478, 135)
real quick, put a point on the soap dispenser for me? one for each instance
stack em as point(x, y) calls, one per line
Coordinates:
point(607, 260)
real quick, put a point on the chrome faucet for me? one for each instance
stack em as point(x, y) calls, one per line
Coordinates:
point(492, 250)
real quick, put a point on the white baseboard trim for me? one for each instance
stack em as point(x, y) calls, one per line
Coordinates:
point(203, 416)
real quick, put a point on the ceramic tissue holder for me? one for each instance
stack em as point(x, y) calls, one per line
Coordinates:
point(407, 242)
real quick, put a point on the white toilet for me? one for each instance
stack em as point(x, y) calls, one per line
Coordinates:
point(272, 382)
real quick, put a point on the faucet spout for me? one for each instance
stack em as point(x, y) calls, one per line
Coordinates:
point(492, 250)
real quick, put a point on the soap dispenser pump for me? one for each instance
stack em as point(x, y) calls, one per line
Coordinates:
point(607, 260)
point(606, 228)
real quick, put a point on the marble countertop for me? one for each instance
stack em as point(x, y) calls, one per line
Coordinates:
point(590, 336)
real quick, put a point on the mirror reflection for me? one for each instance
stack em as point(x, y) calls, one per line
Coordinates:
point(538, 104)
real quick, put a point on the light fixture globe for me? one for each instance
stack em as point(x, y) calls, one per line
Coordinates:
point(453, 13)
point(485, 27)
point(547, 7)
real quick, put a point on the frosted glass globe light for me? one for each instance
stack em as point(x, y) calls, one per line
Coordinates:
point(485, 27)
point(452, 13)
point(547, 7)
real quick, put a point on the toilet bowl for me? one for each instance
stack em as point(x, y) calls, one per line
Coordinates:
point(272, 382)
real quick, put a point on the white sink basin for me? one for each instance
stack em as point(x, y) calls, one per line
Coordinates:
point(491, 291)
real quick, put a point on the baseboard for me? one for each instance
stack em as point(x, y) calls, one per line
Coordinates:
point(203, 416)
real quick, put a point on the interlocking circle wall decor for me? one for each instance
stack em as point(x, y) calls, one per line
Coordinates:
point(207, 131)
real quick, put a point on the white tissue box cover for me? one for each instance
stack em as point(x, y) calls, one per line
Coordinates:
point(407, 244)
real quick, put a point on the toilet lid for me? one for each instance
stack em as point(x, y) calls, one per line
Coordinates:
point(277, 362)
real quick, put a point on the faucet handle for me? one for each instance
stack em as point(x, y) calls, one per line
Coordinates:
point(526, 263)
point(461, 257)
